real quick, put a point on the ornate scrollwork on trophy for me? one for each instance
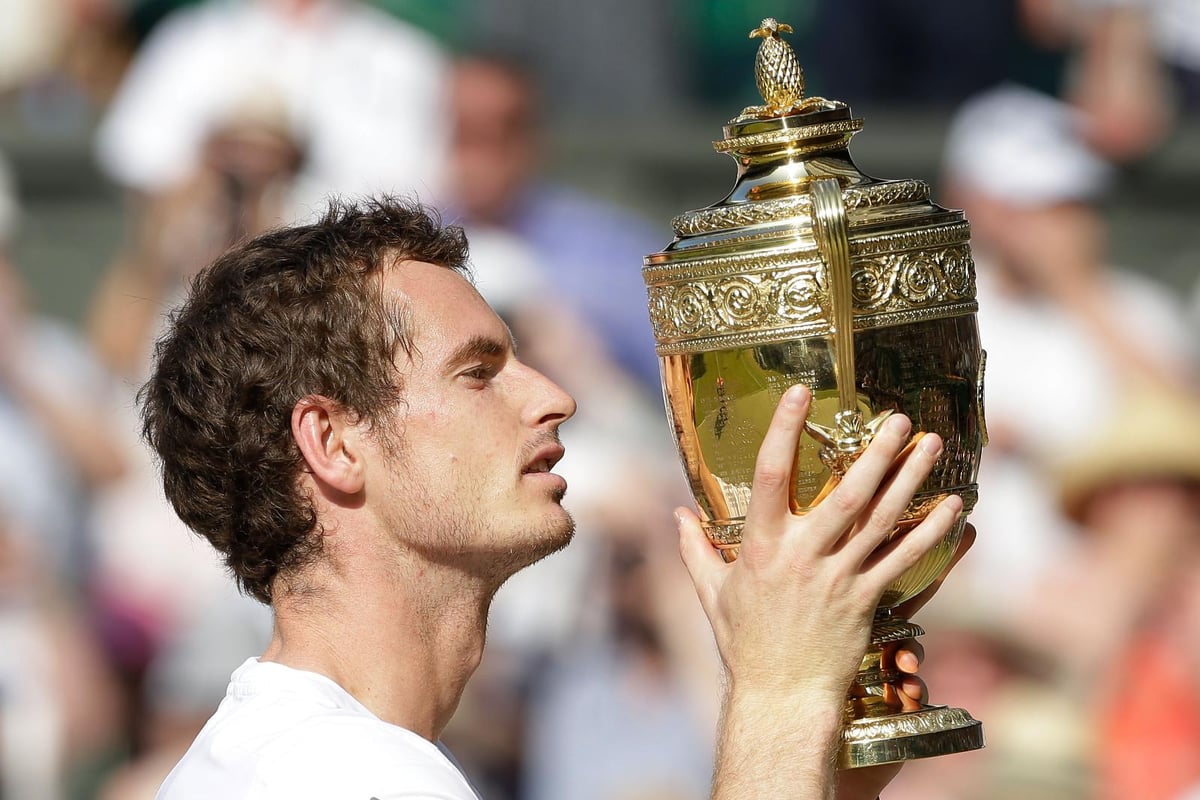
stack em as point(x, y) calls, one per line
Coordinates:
point(732, 304)
point(707, 307)
point(887, 631)
point(728, 217)
point(691, 310)
point(898, 281)
point(722, 218)
point(940, 236)
point(738, 302)
point(800, 297)
point(804, 141)
point(983, 432)
point(930, 720)
point(885, 194)
point(724, 535)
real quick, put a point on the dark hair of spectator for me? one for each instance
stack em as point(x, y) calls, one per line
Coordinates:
point(295, 312)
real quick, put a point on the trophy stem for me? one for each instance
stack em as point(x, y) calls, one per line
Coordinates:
point(877, 731)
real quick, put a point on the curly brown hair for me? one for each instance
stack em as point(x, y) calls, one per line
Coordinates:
point(295, 312)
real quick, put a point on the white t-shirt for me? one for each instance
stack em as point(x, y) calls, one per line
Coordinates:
point(286, 734)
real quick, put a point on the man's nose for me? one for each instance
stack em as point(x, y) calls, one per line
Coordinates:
point(551, 404)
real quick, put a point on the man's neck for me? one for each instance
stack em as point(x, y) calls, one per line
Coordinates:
point(401, 640)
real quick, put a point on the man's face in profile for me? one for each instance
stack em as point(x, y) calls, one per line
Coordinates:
point(470, 482)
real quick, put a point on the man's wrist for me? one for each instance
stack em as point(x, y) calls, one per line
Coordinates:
point(767, 697)
point(803, 717)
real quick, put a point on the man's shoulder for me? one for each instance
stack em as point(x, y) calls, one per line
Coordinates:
point(354, 757)
point(285, 744)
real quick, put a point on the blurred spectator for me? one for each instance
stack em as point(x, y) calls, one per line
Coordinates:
point(1176, 25)
point(363, 92)
point(1133, 65)
point(591, 252)
point(1120, 618)
point(63, 59)
point(1138, 60)
point(55, 419)
point(31, 757)
point(1119, 84)
point(60, 710)
point(1041, 746)
point(239, 187)
point(1063, 330)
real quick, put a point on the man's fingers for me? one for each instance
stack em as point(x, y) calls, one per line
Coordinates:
point(891, 560)
point(702, 560)
point(881, 515)
point(837, 512)
point(907, 609)
point(773, 470)
point(913, 693)
point(909, 656)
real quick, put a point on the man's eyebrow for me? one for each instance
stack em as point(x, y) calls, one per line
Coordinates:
point(479, 346)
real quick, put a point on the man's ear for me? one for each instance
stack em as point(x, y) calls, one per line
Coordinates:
point(329, 443)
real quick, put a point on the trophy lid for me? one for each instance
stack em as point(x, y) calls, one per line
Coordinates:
point(781, 147)
point(804, 243)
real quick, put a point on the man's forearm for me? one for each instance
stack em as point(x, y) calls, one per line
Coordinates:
point(796, 759)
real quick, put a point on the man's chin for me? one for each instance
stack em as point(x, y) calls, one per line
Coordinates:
point(553, 536)
point(557, 535)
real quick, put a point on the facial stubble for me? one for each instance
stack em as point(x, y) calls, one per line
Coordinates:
point(458, 534)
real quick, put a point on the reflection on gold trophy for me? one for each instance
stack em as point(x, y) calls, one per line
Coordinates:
point(811, 272)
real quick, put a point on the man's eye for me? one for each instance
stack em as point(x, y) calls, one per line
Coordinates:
point(481, 373)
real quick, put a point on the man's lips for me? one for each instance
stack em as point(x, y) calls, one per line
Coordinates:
point(544, 459)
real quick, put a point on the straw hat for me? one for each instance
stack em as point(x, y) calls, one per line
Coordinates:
point(1155, 433)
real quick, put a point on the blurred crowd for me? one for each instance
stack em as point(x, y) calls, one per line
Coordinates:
point(1073, 628)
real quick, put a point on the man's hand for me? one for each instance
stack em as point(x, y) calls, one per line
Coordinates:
point(792, 616)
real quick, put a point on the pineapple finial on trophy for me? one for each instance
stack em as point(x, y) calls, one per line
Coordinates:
point(778, 73)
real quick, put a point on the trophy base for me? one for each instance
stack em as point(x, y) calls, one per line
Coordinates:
point(932, 731)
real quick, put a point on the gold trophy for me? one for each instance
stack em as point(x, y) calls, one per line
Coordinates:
point(862, 289)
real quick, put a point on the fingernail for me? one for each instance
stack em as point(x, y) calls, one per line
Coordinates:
point(678, 518)
point(907, 661)
point(900, 424)
point(796, 395)
point(931, 444)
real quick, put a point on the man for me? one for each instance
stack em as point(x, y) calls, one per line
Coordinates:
point(340, 413)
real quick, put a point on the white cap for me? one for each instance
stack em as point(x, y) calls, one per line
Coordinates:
point(1023, 147)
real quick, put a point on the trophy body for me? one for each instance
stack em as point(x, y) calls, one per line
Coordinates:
point(811, 272)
